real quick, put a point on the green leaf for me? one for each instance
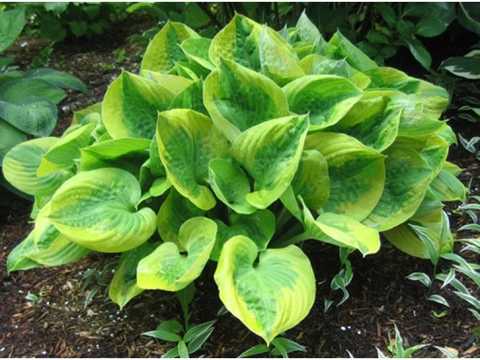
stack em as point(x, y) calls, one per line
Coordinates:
point(44, 246)
point(255, 350)
point(11, 26)
point(342, 231)
point(269, 295)
point(419, 52)
point(407, 178)
point(190, 98)
point(465, 67)
point(196, 49)
point(96, 209)
point(238, 98)
point(271, 152)
point(340, 47)
point(187, 141)
point(433, 18)
point(182, 349)
point(123, 286)
point(307, 31)
point(356, 172)
point(312, 181)
point(447, 187)
point(167, 269)
point(316, 64)
point(164, 50)
point(24, 90)
point(9, 137)
point(197, 330)
point(372, 121)
point(21, 163)
point(175, 210)
point(57, 79)
point(259, 227)
point(326, 98)
point(130, 106)
point(230, 184)
point(175, 84)
point(62, 154)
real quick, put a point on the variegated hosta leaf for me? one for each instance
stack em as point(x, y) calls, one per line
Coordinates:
point(187, 141)
point(130, 106)
point(311, 181)
point(157, 189)
point(125, 153)
point(342, 231)
point(97, 210)
point(175, 210)
point(372, 121)
point(9, 137)
point(270, 152)
point(21, 163)
point(308, 32)
point(190, 98)
point(238, 98)
point(407, 178)
point(269, 296)
point(123, 286)
point(230, 184)
point(446, 186)
point(259, 227)
point(357, 173)
point(316, 64)
point(167, 269)
point(237, 41)
point(44, 246)
point(164, 50)
point(326, 98)
point(434, 222)
point(340, 47)
point(175, 84)
point(196, 49)
point(62, 154)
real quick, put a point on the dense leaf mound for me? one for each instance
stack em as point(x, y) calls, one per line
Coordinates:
point(234, 150)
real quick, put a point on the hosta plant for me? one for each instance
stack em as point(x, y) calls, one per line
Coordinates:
point(234, 150)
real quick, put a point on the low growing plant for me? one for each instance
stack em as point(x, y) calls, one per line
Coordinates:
point(235, 150)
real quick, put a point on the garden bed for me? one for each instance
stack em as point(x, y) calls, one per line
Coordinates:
point(65, 312)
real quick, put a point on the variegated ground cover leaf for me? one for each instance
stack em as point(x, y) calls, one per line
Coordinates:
point(232, 150)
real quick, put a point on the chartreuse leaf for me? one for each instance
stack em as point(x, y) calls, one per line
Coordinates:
point(63, 153)
point(21, 163)
point(237, 42)
point(187, 140)
point(270, 294)
point(342, 231)
point(123, 286)
point(327, 98)
point(308, 32)
point(356, 172)
point(168, 269)
point(270, 152)
point(238, 98)
point(315, 64)
point(311, 181)
point(407, 178)
point(96, 209)
point(175, 210)
point(196, 49)
point(130, 106)
point(230, 184)
point(175, 84)
point(447, 187)
point(259, 227)
point(190, 98)
point(44, 246)
point(434, 223)
point(372, 121)
point(164, 50)
point(340, 47)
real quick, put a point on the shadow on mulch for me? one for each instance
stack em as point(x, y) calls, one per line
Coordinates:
point(74, 318)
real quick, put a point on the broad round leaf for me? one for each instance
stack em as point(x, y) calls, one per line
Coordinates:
point(326, 98)
point(21, 163)
point(187, 141)
point(269, 296)
point(271, 152)
point(130, 106)
point(96, 209)
point(167, 269)
point(238, 98)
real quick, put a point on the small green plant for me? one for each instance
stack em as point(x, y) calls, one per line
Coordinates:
point(233, 151)
point(280, 346)
point(398, 348)
point(189, 338)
